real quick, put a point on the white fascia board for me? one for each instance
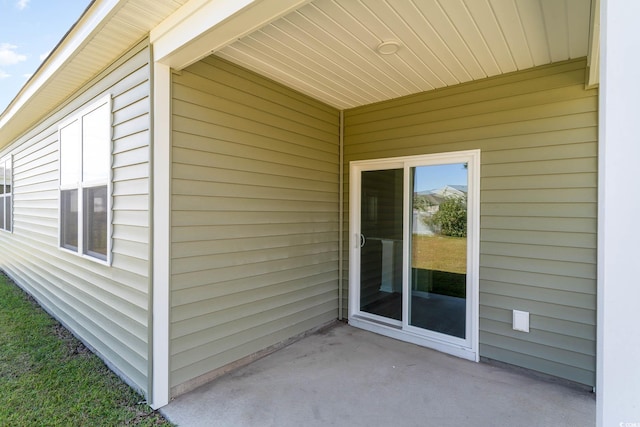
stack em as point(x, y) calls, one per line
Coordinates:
point(201, 27)
point(73, 42)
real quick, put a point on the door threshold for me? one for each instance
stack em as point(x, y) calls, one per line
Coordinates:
point(395, 332)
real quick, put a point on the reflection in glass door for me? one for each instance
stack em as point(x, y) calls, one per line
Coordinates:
point(438, 279)
point(414, 249)
point(381, 243)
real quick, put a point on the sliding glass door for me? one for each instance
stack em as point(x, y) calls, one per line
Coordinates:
point(414, 248)
point(381, 240)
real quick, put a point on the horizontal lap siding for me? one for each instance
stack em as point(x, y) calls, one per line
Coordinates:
point(107, 307)
point(254, 216)
point(537, 131)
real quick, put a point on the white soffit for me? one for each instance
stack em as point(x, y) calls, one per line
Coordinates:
point(327, 48)
point(102, 34)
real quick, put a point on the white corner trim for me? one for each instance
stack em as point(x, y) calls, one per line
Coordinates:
point(202, 27)
point(593, 56)
point(618, 340)
point(70, 45)
point(161, 233)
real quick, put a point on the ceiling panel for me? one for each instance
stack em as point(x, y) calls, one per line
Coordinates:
point(491, 33)
point(579, 19)
point(327, 48)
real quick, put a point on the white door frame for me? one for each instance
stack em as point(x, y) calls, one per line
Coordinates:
point(466, 348)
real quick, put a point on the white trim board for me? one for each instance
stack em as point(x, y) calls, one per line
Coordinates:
point(201, 27)
point(161, 220)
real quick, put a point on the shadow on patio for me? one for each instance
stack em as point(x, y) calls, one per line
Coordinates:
point(347, 376)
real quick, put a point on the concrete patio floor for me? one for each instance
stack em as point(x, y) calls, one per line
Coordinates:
point(345, 376)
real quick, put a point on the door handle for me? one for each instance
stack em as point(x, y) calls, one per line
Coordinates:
point(363, 240)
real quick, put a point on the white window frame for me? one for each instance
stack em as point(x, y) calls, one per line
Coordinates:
point(3, 196)
point(80, 186)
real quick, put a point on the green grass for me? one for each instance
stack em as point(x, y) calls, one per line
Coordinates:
point(440, 253)
point(49, 378)
point(440, 264)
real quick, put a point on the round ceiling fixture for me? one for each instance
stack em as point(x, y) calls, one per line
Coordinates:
point(388, 48)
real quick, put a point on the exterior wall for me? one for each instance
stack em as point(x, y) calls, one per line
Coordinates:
point(254, 217)
point(106, 307)
point(537, 130)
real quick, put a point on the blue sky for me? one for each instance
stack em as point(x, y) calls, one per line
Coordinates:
point(29, 30)
point(437, 176)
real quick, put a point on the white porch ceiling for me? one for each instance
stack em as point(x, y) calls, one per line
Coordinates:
point(324, 48)
point(327, 48)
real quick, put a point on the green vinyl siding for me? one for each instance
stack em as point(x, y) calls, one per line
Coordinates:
point(254, 225)
point(537, 132)
point(107, 307)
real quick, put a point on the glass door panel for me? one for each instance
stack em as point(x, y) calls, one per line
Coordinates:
point(438, 265)
point(381, 229)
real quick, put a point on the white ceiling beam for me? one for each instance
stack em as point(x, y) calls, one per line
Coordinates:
point(201, 27)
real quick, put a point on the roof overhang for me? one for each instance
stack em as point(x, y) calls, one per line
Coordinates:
point(106, 30)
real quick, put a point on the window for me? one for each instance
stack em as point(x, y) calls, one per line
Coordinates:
point(6, 189)
point(85, 164)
